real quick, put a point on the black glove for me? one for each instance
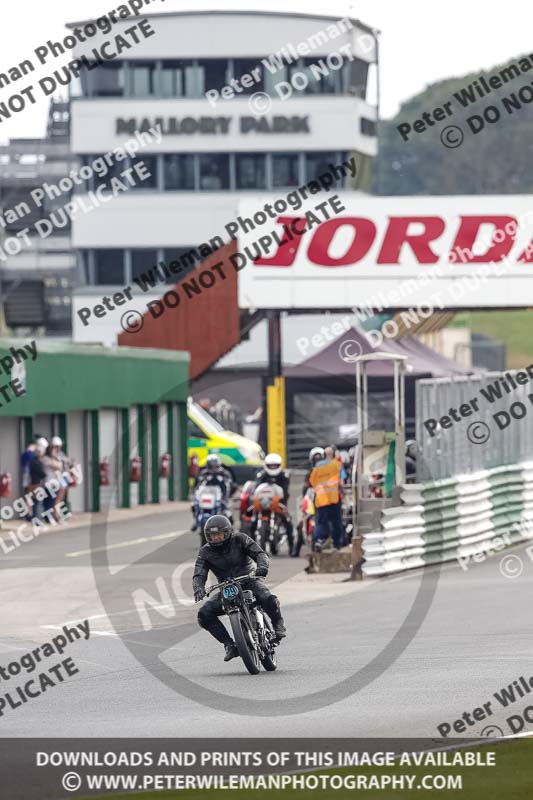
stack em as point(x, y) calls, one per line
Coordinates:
point(199, 594)
point(261, 572)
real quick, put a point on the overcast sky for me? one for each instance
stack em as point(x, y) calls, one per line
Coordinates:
point(421, 41)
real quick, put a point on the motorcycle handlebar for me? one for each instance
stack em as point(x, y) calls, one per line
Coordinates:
point(228, 580)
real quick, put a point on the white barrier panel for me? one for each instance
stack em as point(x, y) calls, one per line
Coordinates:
point(453, 518)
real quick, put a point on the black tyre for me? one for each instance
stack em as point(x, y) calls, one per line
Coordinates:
point(241, 632)
point(264, 536)
point(274, 542)
point(270, 662)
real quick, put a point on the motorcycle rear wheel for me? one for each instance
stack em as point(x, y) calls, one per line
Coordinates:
point(241, 630)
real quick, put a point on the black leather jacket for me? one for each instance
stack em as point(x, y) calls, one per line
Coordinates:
point(237, 557)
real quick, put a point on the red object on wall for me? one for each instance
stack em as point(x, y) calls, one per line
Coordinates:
point(135, 469)
point(5, 484)
point(164, 466)
point(194, 467)
point(73, 474)
point(204, 321)
point(104, 472)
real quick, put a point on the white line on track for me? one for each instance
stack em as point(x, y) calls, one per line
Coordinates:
point(142, 540)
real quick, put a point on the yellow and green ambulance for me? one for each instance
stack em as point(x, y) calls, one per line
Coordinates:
point(241, 456)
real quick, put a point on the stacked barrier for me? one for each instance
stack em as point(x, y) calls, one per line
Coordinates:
point(453, 518)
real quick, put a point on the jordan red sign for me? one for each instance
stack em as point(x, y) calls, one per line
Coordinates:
point(377, 244)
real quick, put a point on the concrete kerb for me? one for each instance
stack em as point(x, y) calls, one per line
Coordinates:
point(86, 519)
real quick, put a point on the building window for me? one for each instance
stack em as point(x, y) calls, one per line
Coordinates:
point(318, 163)
point(186, 262)
point(143, 261)
point(274, 74)
point(368, 127)
point(325, 78)
point(250, 171)
point(177, 79)
point(212, 73)
point(106, 81)
point(358, 78)
point(109, 267)
point(84, 270)
point(214, 172)
point(107, 171)
point(285, 171)
point(150, 166)
point(178, 172)
point(245, 67)
point(141, 78)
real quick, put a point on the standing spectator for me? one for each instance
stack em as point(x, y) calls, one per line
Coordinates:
point(316, 454)
point(52, 467)
point(66, 466)
point(37, 475)
point(25, 460)
point(325, 479)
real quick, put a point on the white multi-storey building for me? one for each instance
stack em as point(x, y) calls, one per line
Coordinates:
point(287, 94)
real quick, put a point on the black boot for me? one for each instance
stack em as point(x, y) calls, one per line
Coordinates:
point(231, 650)
point(279, 627)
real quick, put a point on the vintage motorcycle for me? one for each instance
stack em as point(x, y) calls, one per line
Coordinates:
point(270, 517)
point(252, 630)
point(208, 501)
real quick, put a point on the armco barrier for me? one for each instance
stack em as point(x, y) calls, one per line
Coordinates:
point(452, 518)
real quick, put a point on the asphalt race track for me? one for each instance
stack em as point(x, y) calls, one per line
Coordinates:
point(474, 639)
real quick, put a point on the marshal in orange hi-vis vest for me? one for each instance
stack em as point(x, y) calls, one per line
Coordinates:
point(325, 480)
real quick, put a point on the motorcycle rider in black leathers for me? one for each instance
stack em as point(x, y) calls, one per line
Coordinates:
point(214, 474)
point(272, 472)
point(228, 555)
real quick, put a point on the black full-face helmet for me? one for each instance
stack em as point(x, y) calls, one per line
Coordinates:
point(217, 530)
point(213, 462)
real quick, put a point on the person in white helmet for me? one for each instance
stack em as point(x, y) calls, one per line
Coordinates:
point(273, 472)
point(56, 446)
point(316, 454)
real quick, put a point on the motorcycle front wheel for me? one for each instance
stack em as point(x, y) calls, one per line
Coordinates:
point(264, 536)
point(243, 636)
point(269, 662)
